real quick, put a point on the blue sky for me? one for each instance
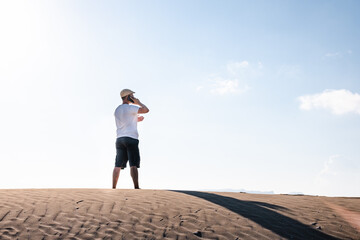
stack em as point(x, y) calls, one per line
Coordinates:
point(256, 95)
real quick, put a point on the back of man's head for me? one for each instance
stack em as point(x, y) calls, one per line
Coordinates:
point(125, 92)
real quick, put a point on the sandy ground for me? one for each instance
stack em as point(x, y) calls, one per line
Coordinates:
point(162, 214)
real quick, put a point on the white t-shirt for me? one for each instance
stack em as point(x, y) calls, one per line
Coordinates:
point(126, 121)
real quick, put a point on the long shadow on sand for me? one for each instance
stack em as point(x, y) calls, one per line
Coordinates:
point(260, 213)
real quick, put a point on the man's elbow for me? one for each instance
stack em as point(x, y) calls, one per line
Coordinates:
point(144, 110)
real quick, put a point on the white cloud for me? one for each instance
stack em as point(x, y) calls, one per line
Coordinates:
point(337, 101)
point(199, 88)
point(225, 86)
point(289, 71)
point(337, 54)
point(233, 80)
point(235, 67)
point(337, 177)
point(328, 171)
point(328, 168)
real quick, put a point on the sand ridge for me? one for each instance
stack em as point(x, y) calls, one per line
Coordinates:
point(162, 214)
point(352, 217)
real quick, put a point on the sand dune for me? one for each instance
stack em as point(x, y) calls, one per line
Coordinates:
point(161, 214)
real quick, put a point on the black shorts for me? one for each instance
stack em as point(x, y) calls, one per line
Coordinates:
point(127, 148)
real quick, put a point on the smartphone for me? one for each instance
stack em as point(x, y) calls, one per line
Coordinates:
point(130, 99)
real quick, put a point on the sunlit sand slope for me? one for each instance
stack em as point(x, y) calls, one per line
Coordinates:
point(161, 214)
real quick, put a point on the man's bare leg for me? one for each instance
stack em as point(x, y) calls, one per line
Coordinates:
point(116, 174)
point(135, 176)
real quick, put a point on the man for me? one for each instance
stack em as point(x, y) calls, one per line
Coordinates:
point(127, 143)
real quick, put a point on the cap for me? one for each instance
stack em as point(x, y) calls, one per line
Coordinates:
point(125, 92)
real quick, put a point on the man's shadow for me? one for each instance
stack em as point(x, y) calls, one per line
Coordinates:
point(262, 214)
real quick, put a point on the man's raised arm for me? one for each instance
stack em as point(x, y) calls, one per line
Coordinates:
point(143, 108)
